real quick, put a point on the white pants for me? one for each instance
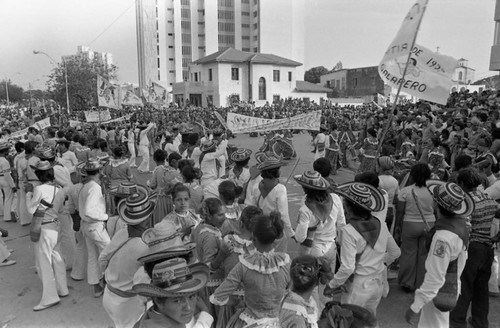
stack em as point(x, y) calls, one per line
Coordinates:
point(8, 198)
point(67, 238)
point(222, 168)
point(124, 312)
point(430, 317)
point(80, 258)
point(131, 149)
point(328, 250)
point(22, 210)
point(144, 153)
point(50, 265)
point(365, 291)
point(96, 238)
point(493, 283)
point(4, 251)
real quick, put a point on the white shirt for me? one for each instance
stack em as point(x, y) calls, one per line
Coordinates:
point(371, 261)
point(389, 184)
point(69, 160)
point(494, 190)
point(445, 247)
point(91, 203)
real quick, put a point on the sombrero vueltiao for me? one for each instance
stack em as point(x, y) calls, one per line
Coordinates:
point(312, 180)
point(165, 242)
point(135, 208)
point(363, 195)
point(174, 278)
point(241, 154)
point(451, 197)
point(126, 189)
point(271, 162)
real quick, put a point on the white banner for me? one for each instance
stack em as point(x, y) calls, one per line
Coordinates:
point(119, 119)
point(73, 123)
point(108, 94)
point(428, 75)
point(93, 116)
point(244, 124)
point(39, 125)
point(130, 99)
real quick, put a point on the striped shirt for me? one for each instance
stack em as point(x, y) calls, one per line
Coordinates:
point(482, 217)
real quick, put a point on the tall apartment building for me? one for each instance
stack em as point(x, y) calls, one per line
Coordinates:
point(495, 49)
point(105, 58)
point(173, 33)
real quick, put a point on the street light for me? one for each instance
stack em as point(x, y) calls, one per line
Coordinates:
point(65, 74)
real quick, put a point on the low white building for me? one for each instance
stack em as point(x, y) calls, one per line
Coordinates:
point(231, 75)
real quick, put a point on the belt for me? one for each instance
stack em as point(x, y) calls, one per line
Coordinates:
point(119, 292)
point(50, 221)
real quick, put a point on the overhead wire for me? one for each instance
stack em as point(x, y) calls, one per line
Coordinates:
point(112, 23)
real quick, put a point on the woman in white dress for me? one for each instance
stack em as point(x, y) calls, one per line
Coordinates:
point(131, 146)
point(144, 147)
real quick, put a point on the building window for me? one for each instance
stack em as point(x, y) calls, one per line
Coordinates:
point(235, 74)
point(343, 83)
point(245, 25)
point(245, 37)
point(171, 59)
point(245, 1)
point(226, 3)
point(255, 26)
point(245, 49)
point(262, 88)
point(255, 2)
point(276, 75)
point(355, 82)
point(289, 76)
point(255, 49)
point(196, 77)
point(201, 48)
point(210, 74)
point(245, 13)
point(170, 47)
point(171, 72)
point(255, 37)
point(170, 34)
point(201, 35)
point(158, 62)
point(337, 82)
point(460, 76)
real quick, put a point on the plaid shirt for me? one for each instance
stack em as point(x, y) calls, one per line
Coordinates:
point(482, 217)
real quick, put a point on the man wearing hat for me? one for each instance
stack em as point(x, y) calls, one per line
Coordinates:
point(448, 249)
point(118, 260)
point(174, 291)
point(92, 209)
point(366, 247)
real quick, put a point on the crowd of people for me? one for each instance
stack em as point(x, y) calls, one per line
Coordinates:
point(206, 242)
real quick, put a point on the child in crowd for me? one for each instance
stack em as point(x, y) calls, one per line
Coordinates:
point(182, 216)
point(228, 194)
point(264, 276)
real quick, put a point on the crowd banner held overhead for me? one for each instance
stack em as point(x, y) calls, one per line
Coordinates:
point(428, 75)
point(245, 124)
point(73, 123)
point(93, 116)
point(146, 96)
point(130, 99)
point(158, 94)
point(108, 94)
point(119, 119)
point(39, 125)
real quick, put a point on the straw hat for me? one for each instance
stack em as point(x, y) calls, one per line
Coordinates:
point(42, 166)
point(208, 146)
point(126, 189)
point(45, 153)
point(164, 241)
point(312, 180)
point(135, 208)
point(363, 195)
point(174, 278)
point(451, 197)
point(385, 163)
point(270, 162)
point(4, 144)
point(93, 164)
point(241, 154)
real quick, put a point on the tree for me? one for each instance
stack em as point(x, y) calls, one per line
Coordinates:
point(312, 75)
point(16, 93)
point(82, 81)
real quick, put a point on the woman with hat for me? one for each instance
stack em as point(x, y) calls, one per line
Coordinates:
point(240, 174)
point(6, 182)
point(319, 219)
point(209, 162)
point(270, 195)
point(118, 260)
point(366, 247)
point(92, 209)
point(414, 218)
point(448, 249)
point(44, 233)
point(173, 290)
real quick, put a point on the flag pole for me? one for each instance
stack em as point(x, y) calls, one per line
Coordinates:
point(391, 111)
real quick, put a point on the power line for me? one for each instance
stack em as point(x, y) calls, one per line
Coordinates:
point(110, 25)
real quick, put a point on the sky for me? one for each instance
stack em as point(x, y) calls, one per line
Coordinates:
point(355, 32)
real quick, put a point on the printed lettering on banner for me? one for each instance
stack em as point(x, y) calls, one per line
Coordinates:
point(244, 124)
point(93, 116)
point(221, 120)
point(130, 99)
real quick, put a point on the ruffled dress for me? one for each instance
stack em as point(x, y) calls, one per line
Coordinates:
point(368, 161)
point(264, 278)
point(183, 222)
point(240, 247)
point(232, 222)
point(297, 312)
point(163, 179)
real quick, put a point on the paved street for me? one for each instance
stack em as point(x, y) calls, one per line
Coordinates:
point(20, 288)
